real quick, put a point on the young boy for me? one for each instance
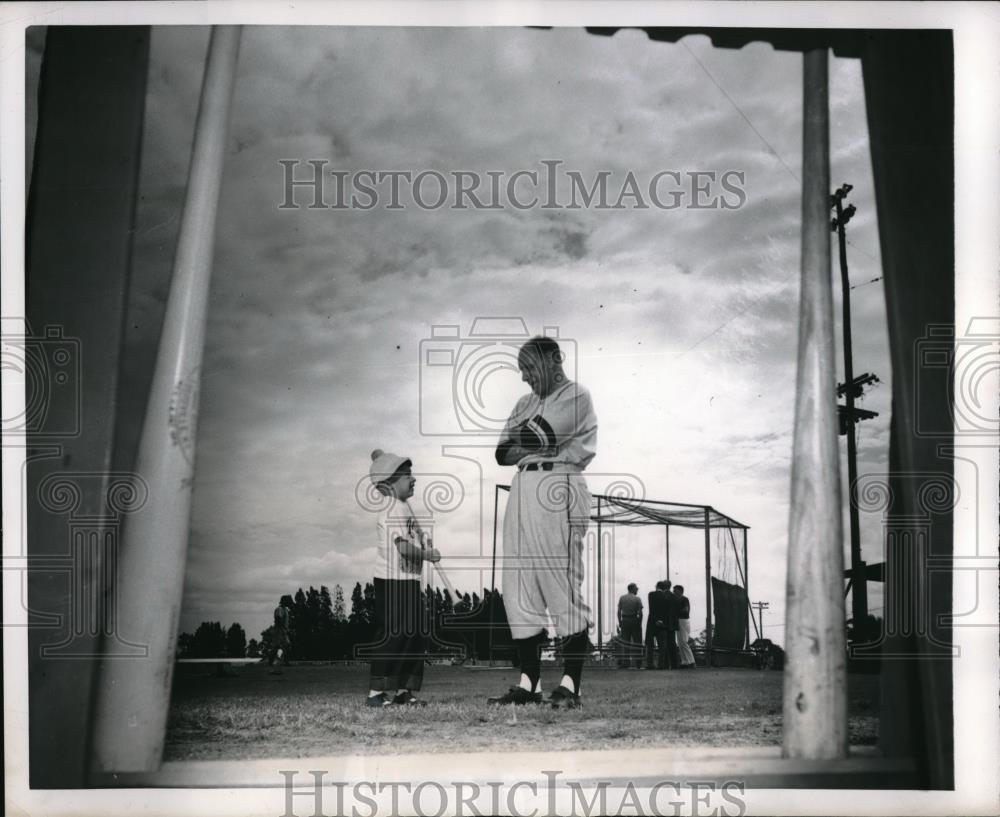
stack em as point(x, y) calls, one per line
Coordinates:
point(397, 667)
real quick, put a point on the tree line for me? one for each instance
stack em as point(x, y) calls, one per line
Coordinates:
point(322, 628)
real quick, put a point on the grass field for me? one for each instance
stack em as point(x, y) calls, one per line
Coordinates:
point(318, 711)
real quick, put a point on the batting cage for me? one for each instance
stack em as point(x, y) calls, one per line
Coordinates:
point(646, 540)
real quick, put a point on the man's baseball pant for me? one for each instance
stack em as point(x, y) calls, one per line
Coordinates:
point(543, 540)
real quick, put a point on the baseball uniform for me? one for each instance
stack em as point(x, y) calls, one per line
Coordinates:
point(548, 512)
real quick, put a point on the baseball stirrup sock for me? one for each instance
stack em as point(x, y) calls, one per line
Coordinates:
point(530, 658)
point(574, 651)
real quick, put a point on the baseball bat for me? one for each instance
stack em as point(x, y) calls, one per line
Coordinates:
point(134, 696)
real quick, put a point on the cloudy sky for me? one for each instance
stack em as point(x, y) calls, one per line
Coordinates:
point(682, 322)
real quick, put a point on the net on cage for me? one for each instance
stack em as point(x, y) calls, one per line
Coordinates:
point(646, 541)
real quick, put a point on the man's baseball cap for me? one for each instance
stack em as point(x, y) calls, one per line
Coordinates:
point(384, 466)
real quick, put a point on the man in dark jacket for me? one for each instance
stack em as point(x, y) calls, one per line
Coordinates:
point(650, 640)
point(662, 616)
point(672, 622)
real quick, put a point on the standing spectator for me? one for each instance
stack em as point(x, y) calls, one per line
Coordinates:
point(673, 608)
point(281, 639)
point(650, 640)
point(683, 629)
point(630, 628)
point(659, 616)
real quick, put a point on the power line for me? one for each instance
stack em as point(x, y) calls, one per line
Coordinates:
point(866, 283)
point(782, 162)
point(760, 136)
point(739, 110)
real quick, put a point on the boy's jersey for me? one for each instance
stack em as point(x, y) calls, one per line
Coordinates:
point(396, 520)
point(561, 426)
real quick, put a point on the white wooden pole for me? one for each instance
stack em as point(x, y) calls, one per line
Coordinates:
point(134, 693)
point(815, 684)
point(708, 589)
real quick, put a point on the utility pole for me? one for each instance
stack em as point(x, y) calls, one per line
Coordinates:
point(761, 607)
point(849, 415)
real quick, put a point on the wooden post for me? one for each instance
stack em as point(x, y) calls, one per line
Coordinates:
point(815, 699)
point(708, 591)
point(600, 603)
point(859, 595)
point(746, 584)
point(134, 694)
point(666, 528)
point(493, 572)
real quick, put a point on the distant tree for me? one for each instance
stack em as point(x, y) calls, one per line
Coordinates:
point(236, 641)
point(325, 604)
point(209, 640)
point(769, 654)
point(359, 614)
point(360, 623)
point(253, 648)
point(308, 628)
point(185, 645)
point(339, 609)
point(324, 625)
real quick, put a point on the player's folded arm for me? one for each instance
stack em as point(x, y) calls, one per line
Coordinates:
point(407, 548)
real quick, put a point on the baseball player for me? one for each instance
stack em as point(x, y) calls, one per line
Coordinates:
point(401, 550)
point(550, 436)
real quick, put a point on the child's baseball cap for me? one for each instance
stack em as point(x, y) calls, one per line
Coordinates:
point(384, 466)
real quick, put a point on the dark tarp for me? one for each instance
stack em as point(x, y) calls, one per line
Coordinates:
point(729, 607)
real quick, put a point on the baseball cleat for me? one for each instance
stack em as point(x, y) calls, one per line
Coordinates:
point(562, 698)
point(516, 695)
point(379, 701)
point(406, 698)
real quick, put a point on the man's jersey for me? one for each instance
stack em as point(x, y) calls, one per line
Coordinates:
point(396, 520)
point(630, 606)
point(561, 427)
